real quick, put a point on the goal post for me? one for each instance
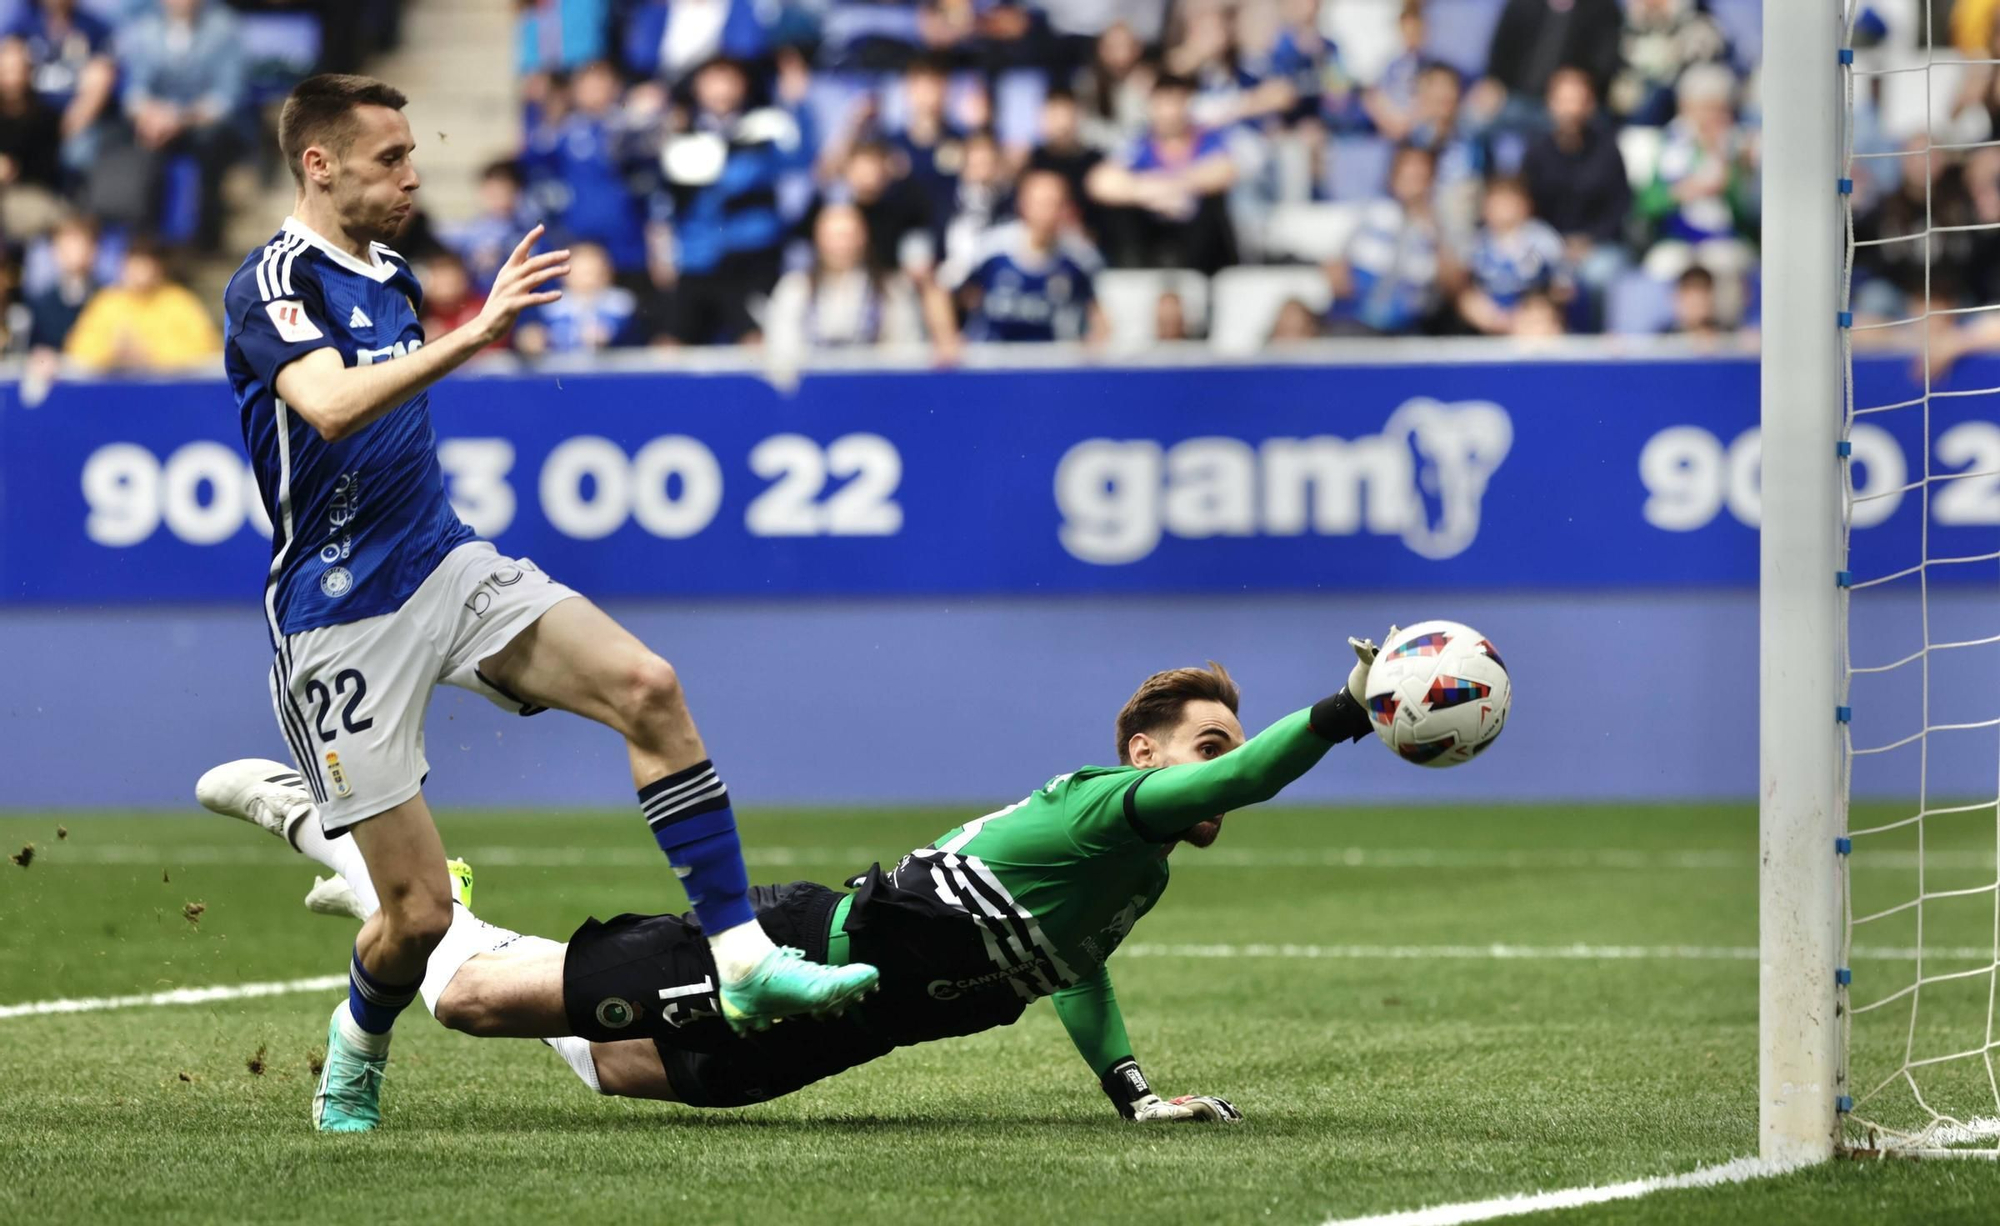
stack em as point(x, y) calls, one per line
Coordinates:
point(1801, 619)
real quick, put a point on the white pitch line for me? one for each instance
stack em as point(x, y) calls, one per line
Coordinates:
point(1355, 953)
point(1528, 953)
point(177, 996)
point(1739, 1170)
point(515, 856)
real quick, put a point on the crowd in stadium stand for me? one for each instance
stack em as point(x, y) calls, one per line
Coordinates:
point(820, 174)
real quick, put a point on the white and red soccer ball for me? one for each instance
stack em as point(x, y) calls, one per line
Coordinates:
point(1438, 693)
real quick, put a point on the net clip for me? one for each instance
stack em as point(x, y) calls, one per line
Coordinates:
point(1843, 578)
point(1843, 846)
point(1847, 55)
point(1846, 319)
point(1846, 187)
point(1843, 714)
point(1844, 448)
point(1843, 976)
point(1844, 1104)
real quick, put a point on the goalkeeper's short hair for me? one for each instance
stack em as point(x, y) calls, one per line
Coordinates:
point(1159, 702)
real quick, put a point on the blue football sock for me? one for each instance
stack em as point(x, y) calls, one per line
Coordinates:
point(690, 817)
point(372, 1003)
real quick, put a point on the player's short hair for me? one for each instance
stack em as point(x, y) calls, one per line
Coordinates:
point(320, 112)
point(1159, 703)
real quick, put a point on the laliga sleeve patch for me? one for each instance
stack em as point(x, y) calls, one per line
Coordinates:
point(294, 325)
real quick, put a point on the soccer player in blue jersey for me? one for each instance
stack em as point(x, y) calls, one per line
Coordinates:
point(377, 592)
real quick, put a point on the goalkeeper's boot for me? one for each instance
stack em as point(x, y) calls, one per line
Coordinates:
point(461, 881)
point(784, 984)
point(349, 1097)
point(269, 795)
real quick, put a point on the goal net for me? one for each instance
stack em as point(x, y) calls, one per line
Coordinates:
point(1918, 981)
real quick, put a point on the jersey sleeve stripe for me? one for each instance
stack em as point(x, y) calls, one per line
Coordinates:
point(292, 254)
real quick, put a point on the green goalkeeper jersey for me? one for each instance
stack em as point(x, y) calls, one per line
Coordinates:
point(1031, 900)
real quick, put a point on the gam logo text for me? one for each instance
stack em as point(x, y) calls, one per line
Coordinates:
point(1422, 479)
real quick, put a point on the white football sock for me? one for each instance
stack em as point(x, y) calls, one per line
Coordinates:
point(340, 855)
point(576, 1054)
point(357, 1039)
point(467, 938)
point(738, 950)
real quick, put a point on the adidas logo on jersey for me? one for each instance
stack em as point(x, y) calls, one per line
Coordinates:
point(359, 320)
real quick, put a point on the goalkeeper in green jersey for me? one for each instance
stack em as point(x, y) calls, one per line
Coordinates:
point(1026, 902)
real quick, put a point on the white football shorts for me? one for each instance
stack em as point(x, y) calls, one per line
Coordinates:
point(351, 699)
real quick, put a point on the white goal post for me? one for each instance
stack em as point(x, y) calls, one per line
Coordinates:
point(1802, 797)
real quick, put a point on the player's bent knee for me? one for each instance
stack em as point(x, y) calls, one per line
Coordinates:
point(654, 688)
point(420, 926)
point(464, 1008)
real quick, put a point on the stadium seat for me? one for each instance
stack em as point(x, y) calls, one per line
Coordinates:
point(1460, 32)
point(1742, 22)
point(1245, 303)
point(1640, 147)
point(1638, 305)
point(1360, 169)
point(1017, 106)
point(1131, 298)
point(1310, 232)
point(279, 50)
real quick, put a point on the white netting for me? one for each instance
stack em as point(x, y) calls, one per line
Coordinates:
point(1921, 625)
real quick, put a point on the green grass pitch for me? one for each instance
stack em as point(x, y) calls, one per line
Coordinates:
point(1379, 1068)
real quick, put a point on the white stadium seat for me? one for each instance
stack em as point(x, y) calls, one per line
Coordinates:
point(1131, 298)
point(1640, 147)
point(1246, 301)
point(1310, 232)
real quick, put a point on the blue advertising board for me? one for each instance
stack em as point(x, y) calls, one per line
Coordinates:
point(1288, 479)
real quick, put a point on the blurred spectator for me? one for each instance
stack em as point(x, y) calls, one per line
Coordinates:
point(54, 310)
point(1662, 39)
point(898, 217)
point(73, 69)
point(840, 301)
point(1391, 102)
point(722, 174)
point(1702, 197)
point(30, 135)
point(1391, 278)
point(1115, 89)
point(145, 323)
point(591, 315)
point(184, 94)
point(1537, 318)
point(1461, 158)
point(669, 39)
point(1295, 322)
point(1928, 224)
point(1308, 64)
point(1531, 40)
point(586, 152)
point(1514, 256)
point(1576, 177)
point(560, 35)
point(450, 301)
point(1032, 281)
point(1695, 312)
point(15, 321)
point(931, 149)
point(1170, 321)
point(1167, 194)
point(980, 192)
point(1227, 91)
point(1059, 148)
point(483, 242)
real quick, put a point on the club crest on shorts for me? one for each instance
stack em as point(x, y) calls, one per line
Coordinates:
point(337, 582)
point(337, 775)
point(615, 1014)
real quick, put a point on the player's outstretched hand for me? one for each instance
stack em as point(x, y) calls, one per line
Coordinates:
point(1364, 654)
point(519, 286)
point(1189, 1108)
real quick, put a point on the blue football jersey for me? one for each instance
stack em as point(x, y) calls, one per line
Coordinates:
point(357, 524)
point(1030, 296)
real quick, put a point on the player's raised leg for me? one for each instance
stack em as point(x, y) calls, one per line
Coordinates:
point(576, 658)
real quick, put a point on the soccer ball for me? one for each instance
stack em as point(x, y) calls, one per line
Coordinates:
point(1438, 693)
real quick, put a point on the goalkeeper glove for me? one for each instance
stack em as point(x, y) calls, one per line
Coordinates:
point(1344, 717)
point(1126, 1087)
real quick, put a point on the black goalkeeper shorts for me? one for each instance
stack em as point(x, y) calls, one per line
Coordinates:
point(652, 977)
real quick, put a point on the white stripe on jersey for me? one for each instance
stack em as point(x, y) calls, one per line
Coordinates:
point(267, 265)
point(291, 254)
point(284, 524)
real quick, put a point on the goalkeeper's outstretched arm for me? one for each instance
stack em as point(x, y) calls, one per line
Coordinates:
point(1089, 1011)
point(1169, 800)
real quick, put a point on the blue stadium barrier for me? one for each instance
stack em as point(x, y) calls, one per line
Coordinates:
point(890, 587)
